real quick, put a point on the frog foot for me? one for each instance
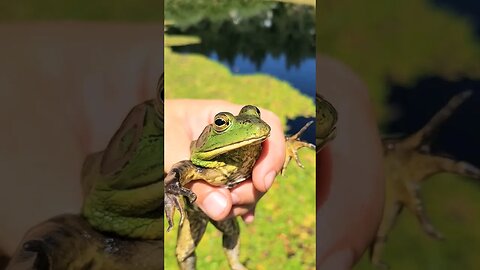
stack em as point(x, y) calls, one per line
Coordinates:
point(294, 143)
point(173, 193)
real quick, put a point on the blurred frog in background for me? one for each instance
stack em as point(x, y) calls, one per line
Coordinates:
point(121, 226)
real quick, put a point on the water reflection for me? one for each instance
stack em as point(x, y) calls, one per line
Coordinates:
point(284, 30)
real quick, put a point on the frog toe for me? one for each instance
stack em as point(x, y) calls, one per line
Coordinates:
point(297, 160)
point(293, 144)
point(172, 202)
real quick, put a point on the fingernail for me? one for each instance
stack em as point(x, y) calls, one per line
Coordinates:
point(214, 204)
point(235, 198)
point(268, 180)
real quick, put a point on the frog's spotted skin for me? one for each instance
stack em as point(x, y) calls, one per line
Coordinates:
point(408, 162)
point(124, 184)
point(223, 155)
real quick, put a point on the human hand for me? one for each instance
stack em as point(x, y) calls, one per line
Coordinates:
point(185, 120)
point(350, 183)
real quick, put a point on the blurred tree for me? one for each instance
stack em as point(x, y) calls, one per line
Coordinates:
point(281, 29)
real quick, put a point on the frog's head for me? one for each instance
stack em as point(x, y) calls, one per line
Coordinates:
point(326, 120)
point(229, 132)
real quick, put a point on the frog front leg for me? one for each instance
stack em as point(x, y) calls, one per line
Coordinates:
point(294, 143)
point(181, 174)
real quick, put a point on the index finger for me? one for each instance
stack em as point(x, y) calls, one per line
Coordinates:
point(272, 157)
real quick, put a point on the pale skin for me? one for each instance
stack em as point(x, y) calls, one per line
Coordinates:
point(350, 183)
point(185, 120)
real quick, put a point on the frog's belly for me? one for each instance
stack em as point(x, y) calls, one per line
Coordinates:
point(243, 161)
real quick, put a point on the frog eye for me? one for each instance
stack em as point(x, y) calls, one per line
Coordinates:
point(221, 122)
point(250, 110)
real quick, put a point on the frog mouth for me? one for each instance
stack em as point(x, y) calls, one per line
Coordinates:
point(233, 146)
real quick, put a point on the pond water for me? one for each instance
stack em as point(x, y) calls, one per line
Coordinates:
point(277, 39)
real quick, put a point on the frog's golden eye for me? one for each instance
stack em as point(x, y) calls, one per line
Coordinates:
point(221, 122)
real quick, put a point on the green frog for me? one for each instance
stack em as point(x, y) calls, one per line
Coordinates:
point(223, 155)
point(123, 185)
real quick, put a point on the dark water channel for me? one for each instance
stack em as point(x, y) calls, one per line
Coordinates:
point(459, 136)
point(278, 39)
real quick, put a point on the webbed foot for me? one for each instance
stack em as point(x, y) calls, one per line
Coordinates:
point(294, 143)
point(173, 193)
point(430, 230)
